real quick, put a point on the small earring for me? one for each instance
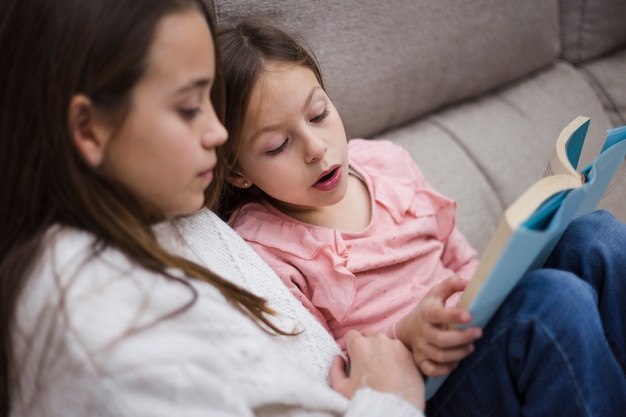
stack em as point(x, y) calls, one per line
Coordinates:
point(98, 159)
point(246, 184)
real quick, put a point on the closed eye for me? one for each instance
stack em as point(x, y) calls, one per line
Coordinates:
point(190, 113)
point(278, 150)
point(320, 116)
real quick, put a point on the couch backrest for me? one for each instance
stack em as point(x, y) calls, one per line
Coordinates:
point(389, 62)
point(590, 28)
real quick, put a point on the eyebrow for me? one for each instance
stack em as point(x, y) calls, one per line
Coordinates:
point(269, 128)
point(200, 83)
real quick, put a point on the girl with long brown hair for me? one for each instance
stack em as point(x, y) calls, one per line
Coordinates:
point(109, 124)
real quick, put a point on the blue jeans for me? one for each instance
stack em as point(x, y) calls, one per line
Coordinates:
point(557, 345)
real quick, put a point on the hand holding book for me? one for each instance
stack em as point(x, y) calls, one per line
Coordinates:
point(532, 225)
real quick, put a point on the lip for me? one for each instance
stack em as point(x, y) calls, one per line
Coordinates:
point(207, 174)
point(329, 183)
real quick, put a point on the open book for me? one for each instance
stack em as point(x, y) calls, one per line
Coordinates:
point(532, 225)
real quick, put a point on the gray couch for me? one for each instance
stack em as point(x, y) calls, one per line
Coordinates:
point(476, 90)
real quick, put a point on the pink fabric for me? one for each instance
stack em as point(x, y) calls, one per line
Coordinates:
point(369, 279)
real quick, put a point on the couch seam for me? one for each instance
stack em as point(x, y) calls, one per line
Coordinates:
point(466, 151)
point(581, 24)
point(607, 98)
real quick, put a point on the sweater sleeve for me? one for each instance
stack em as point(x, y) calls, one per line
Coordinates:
point(98, 337)
point(367, 402)
point(219, 365)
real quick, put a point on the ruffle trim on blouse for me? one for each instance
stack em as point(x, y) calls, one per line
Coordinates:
point(319, 253)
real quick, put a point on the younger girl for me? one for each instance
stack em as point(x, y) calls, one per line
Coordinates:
point(357, 234)
point(106, 128)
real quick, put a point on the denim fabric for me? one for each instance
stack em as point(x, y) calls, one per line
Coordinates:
point(556, 344)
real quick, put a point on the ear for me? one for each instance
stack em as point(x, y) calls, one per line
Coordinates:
point(88, 132)
point(238, 180)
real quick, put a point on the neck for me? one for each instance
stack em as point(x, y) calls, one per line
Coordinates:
point(351, 214)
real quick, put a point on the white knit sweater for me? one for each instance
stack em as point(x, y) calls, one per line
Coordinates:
point(97, 336)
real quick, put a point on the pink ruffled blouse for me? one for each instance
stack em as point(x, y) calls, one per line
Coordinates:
point(372, 278)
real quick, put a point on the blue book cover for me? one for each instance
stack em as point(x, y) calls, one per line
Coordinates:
point(530, 244)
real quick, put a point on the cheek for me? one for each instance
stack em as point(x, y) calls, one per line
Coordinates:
point(269, 172)
point(338, 129)
point(273, 175)
point(171, 140)
point(160, 150)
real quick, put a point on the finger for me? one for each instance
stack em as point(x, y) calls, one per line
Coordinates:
point(350, 337)
point(369, 332)
point(453, 354)
point(447, 287)
point(447, 317)
point(337, 375)
point(449, 338)
point(433, 369)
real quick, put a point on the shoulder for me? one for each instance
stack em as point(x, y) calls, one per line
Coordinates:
point(376, 149)
point(69, 254)
point(88, 297)
point(89, 322)
point(258, 223)
point(253, 212)
point(206, 238)
point(270, 230)
point(382, 157)
point(385, 164)
point(66, 255)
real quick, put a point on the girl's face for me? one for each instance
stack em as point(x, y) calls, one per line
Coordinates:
point(164, 151)
point(294, 145)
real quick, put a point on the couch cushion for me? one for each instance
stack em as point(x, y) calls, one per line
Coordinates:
point(388, 62)
point(487, 152)
point(608, 76)
point(590, 28)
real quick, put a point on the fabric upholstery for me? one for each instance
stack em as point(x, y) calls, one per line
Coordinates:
point(477, 91)
point(608, 77)
point(590, 28)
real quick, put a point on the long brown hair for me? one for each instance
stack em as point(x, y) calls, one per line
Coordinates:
point(51, 50)
point(244, 49)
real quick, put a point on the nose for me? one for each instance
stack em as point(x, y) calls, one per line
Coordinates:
point(214, 133)
point(314, 148)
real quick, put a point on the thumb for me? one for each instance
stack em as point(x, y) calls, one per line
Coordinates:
point(338, 377)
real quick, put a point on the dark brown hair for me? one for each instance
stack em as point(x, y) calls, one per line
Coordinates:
point(245, 49)
point(51, 50)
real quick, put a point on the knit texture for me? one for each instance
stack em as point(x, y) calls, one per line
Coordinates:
point(98, 336)
point(204, 238)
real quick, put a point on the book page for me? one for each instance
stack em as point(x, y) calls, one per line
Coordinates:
point(569, 144)
point(487, 261)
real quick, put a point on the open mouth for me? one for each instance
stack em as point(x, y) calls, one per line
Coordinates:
point(327, 176)
point(329, 181)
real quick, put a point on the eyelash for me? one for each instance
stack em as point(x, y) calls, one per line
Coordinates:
point(278, 150)
point(320, 116)
point(283, 145)
point(189, 113)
